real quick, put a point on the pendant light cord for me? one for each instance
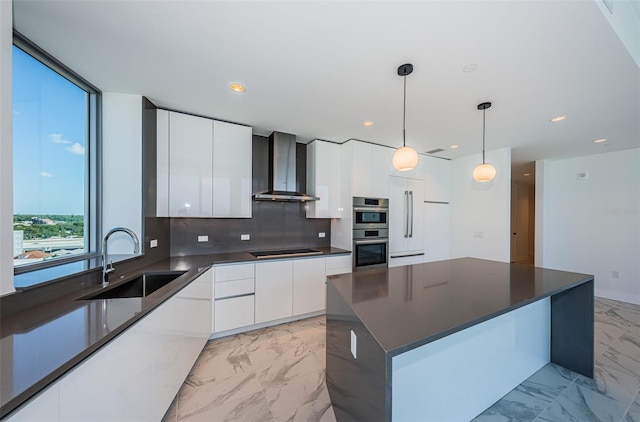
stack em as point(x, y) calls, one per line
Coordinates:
point(483, 129)
point(404, 112)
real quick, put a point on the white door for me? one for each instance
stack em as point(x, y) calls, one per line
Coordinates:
point(274, 290)
point(398, 215)
point(309, 285)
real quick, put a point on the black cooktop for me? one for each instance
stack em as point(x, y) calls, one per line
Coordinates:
point(284, 252)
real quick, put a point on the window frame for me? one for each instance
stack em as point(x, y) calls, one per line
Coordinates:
point(93, 157)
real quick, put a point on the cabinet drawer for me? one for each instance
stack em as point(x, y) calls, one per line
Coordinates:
point(234, 272)
point(339, 264)
point(234, 288)
point(234, 313)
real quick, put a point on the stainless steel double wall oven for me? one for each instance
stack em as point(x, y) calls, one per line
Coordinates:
point(370, 233)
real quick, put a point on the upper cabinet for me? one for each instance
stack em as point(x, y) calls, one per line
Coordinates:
point(231, 170)
point(370, 169)
point(204, 167)
point(437, 179)
point(324, 180)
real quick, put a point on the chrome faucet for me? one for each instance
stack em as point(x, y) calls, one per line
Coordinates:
point(108, 267)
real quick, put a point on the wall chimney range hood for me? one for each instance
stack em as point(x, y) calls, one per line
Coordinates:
point(282, 171)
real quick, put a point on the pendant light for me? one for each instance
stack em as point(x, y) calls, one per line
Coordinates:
point(484, 172)
point(405, 158)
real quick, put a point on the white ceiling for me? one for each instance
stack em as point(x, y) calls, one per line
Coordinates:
point(319, 69)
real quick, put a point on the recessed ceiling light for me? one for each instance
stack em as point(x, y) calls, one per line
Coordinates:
point(454, 146)
point(237, 87)
point(367, 123)
point(527, 174)
point(469, 68)
point(599, 141)
point(558, 118)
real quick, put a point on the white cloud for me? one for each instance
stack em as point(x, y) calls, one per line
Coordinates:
point(45, 174)
point(56, 138)
point(76, 149)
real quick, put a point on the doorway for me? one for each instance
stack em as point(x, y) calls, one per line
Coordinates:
point(522, 222)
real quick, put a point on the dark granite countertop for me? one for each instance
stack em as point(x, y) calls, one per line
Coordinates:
point(41, 344)
point(406, 307)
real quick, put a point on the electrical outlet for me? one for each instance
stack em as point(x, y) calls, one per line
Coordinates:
point(153, 243)
point(478, 235)
point(245, 237)
point(203, 238)
point(615, 274)
point(354, 345)
point(321, 234)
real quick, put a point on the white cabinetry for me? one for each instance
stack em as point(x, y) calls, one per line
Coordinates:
point(42, 408)
point(203, 167)
point(340, 264)
point(231, 170)
point(406, 224)
point(309, 285)
point(370, 169)
point(190, 166)
point(137, 375)
point(234, 296)
point(274, 290)
point(323, 180)
point(437, 179)
point(437, 231)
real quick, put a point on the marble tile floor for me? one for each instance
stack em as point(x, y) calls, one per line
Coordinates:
point(277, 374)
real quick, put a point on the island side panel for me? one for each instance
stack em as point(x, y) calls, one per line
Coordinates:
point(356, 386)
point(572, 329)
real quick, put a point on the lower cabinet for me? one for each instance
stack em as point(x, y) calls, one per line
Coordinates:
point(437, 231)
point(234, 312)
point(137, 375)
point(309, 286)
point(274, 290)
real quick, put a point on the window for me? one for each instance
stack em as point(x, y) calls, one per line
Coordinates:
point(55, 156)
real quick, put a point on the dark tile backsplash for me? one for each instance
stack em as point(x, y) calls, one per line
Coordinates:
point(273, 224)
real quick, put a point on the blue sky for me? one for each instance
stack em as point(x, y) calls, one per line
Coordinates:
point(49, 140)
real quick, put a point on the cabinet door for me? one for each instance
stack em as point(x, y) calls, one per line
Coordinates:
point(42, 408)
point(231, 170)
point(234, 312)
point(190, 166)
point(437, 186)
point(406, 217)
point(162, 163)
point(309, 285)
point(415, 241)
point(380, 161)
point(361, 169)
point(274, 290)
point(398, 215)
point(437, 232)
point(324, 179)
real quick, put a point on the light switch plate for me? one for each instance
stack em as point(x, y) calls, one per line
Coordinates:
point(354, 345)
point(153, 243)
point(203, 238)
point(321, 234)
point(245, 237)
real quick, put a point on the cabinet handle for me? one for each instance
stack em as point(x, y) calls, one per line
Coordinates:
point(406, 214)
point(411, 232)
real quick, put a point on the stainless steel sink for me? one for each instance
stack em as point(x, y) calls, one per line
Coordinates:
point(139, 286)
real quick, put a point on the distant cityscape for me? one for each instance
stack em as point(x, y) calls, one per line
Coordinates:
point(41, 237)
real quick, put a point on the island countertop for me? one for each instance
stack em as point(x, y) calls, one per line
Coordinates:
point(406, 307)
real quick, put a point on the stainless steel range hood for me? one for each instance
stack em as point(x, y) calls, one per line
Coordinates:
point(282, 171)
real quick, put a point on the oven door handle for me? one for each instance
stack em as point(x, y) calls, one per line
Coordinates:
point(370, 241)
point(370, 209)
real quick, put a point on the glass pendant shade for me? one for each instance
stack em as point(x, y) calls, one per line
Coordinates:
point(484, 172)
point(405, 158)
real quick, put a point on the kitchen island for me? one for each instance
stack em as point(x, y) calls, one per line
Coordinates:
point(443, 341)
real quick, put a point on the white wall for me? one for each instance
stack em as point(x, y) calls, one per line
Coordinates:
point(592, 226)
point(122, 168)
point(481, 209)
point(6, 150)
